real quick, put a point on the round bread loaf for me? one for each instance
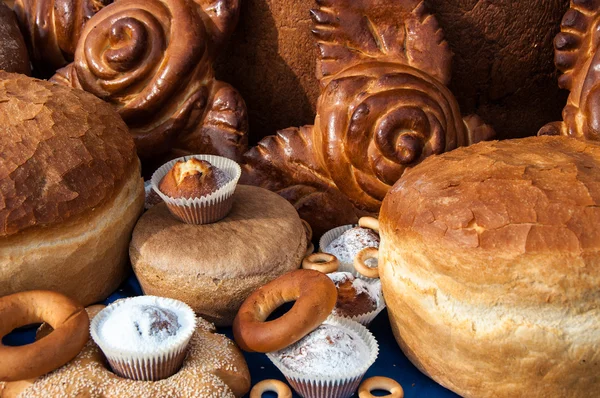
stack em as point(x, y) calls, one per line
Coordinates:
point(490, 265)
point(70, 190)
point(502, 66)
point(215, 267)
point(13, 51)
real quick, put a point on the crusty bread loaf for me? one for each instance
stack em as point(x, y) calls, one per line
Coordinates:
point(215, 267)
point(70, 190)
point(13, 51)
point(490, 267)
point(502, 69)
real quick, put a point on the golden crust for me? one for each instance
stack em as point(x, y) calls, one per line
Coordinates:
point(493, 249)
point(64, 152)
point(85, 257)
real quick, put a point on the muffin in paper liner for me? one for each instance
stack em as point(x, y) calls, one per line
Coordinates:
point(142, 363)
point(206, 209)
point(340, 385)
point(332, 235)
point(366, 318)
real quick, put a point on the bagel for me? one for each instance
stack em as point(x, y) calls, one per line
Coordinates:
point(369, 222)
point(360, 262)
point(278, 387)
point(380, 383)
point(213, 367)
point(322, 262)
point(315, 295)
point(68, 319)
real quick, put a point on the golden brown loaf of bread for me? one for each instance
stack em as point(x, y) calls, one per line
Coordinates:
point(501, 70)
point(70, 190)
point(13, 52)
point(382, 109)
point(152, 60)
point(490, 267)
point(52, 29)
point(214, 267)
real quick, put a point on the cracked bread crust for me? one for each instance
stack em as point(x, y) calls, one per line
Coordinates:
point(494, 249)
point(64, 153)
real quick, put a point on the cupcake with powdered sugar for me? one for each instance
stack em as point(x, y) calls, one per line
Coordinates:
point(330, 361)
point(346, 242)
point(358, 299)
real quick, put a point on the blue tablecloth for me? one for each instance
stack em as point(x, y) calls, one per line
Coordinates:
point(391, 361)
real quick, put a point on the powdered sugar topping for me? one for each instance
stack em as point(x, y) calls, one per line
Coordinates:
point(144, 324)
point(326, 351)
point(371, 287)
point(346, 246)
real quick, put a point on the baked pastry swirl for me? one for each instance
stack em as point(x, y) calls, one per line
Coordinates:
point(384, 106)
point(52, 29)
point(152, 60)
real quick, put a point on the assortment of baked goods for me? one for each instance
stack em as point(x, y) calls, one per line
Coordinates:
point(213, 366)
point(489, 258)
point(215, 267)
point(70, 191)
point(487, 253)
point(381, 110)
point(152, 61)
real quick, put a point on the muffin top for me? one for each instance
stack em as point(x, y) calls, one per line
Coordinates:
point(144, 325)
point(346, 246)
point(193, 178)
point(328, 350)
point(355, 296)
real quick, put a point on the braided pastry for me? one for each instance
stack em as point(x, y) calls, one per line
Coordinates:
point(577, 57)
point(383, 107)
point(52, 29)
point(152, 59)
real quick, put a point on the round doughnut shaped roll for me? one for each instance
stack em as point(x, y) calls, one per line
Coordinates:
point(70, 191)
point(490, 267)
point(215, 267)
point(68, 319)
point(314, 294)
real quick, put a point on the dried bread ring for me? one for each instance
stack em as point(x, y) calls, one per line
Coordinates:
point(322, 262)
point(380, 383)
point(278, 387)
point(68, 319)
point(315, 295)
point(369, 222)
point(360, 262)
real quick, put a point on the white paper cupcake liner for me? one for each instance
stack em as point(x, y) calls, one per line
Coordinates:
point(209, 208)
point(337, 386)
point(332, 235)
point(148, 366)
point(366, 319)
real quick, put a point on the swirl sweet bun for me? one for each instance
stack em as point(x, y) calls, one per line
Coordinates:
point(13, 51)
point(71, 191)
point(152, 60)
point(489, 260)
point(52, 29)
